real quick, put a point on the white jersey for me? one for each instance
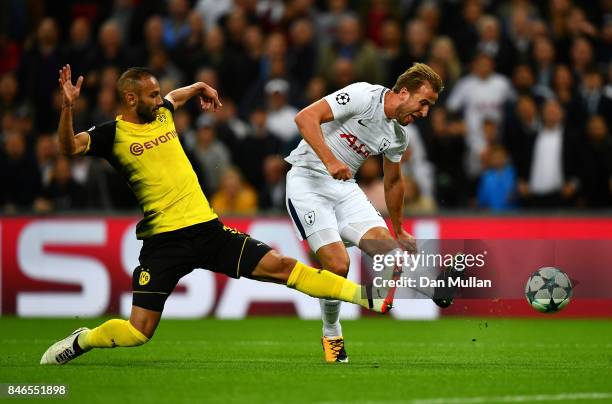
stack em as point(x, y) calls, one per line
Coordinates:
point(480, 99)
point(359, 129)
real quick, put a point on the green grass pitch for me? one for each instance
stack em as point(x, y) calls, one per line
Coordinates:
point(279, 360)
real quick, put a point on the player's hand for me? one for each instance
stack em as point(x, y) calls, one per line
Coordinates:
point(407, 240)
point(209, 98)
point(70, 92)
point(339, 170)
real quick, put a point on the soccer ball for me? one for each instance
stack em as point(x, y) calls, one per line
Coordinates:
point(548, 290)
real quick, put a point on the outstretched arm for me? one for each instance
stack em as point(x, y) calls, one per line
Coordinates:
point(394, 197)
point(69, 143)
point(209, 98)
point(309, 122)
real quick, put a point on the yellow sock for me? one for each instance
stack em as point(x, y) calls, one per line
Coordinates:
point(111, 334)
point(326, 284)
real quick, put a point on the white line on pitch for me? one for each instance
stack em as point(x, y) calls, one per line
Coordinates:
point(516, 399)
point(489, 399)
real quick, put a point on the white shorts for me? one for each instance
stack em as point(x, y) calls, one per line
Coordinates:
point(334, 210)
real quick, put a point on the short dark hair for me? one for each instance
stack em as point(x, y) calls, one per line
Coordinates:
point(128, 81)
point(413, 78)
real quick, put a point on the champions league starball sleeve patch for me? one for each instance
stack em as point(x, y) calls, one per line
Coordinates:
point(352, 100)
point(343, 98)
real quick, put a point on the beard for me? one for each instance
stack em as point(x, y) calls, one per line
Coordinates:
point(405, 119)
point(145, 114)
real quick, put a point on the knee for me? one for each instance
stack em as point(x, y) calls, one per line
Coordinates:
point(377, 240)
point(337, 265)
point(377, 234)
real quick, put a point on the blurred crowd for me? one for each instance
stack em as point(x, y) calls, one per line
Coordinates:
point(523, 122)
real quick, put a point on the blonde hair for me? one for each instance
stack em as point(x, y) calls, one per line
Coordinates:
point(413, 78)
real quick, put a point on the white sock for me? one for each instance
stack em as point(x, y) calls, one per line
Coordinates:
point(330, 312)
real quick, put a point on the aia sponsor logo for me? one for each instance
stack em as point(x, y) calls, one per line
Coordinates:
point(355, 144)
point(138, 149)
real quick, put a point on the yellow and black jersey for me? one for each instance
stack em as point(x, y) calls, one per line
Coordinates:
point(151, 158)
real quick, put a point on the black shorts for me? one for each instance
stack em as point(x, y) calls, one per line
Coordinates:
point(165, 258)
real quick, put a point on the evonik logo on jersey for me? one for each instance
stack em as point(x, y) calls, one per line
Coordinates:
point(137, 148)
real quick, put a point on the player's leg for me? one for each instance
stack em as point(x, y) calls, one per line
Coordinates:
point(323, 284)
point(138, 330)
point(145, 320)
point(378, 240)
point(310, 202)
point(334, 257)
point(373, 238)
point(361, 225)
point(113, 333)
point(165, 259)
point(274, 267)
point(237, 254)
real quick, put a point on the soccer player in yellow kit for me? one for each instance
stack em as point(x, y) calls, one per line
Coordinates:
point(180, 231)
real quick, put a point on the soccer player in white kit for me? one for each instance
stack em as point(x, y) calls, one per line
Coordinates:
point(325, 203)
